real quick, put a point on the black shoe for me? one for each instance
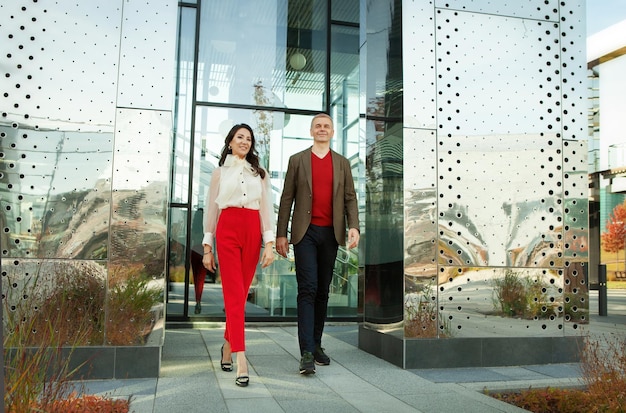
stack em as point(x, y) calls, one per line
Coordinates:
point(307, 363)
point(225, 365)
point(242, 381)
point(321, 359)
point(198, 308)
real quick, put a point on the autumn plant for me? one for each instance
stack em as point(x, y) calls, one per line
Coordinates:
point(26, 368)
point(40, 379)
point(613, 243)
point(603, 364)
point(549, 400)
point(615, 236)
point(38, 376)
point(603, 368)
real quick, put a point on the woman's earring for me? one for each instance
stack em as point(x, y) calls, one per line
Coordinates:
point(230, 149)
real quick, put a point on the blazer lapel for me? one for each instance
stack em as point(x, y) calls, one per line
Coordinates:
point(336, 167)
point(306, 163)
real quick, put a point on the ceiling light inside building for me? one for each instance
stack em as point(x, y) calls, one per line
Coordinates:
point(297, 61)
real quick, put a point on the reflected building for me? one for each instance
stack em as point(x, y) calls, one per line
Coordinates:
point(607, 151)
point(463, 123)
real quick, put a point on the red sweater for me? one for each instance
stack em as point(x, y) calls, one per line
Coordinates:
point(322, 180)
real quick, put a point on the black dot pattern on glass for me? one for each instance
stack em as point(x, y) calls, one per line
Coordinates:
point(507, 161)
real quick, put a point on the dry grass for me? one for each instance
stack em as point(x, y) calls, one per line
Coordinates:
point(129, 303)
point(38, 378)
point(42, 325)
point(88, 404)
point(603, 366)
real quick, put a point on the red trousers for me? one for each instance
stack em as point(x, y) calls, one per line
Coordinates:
point(199, 274)
point(238, 244)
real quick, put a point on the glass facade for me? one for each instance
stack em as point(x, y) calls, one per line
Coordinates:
point(464, 123)
point(272, 64)
point(430, 135)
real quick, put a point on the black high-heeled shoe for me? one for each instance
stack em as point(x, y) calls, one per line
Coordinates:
point(242, 381)
point(225, 365)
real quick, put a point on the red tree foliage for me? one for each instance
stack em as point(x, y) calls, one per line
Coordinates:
point(614, 237)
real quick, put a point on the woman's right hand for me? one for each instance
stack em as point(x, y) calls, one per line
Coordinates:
point(208, 260)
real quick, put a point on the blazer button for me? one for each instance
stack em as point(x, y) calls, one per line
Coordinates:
point(308, 212)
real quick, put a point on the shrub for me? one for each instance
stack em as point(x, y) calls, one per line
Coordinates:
point(72, 300)
point(603, 367)
point(89, 403)
point(37, 378)
point(63, 307)
point(549, 400)
point(510, 294)
point(130, 302)
point(72, 305)
point(421, 316)
point(518, 296)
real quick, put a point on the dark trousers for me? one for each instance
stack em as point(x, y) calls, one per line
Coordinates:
point(315, 259)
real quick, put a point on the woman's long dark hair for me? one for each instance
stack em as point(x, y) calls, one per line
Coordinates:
point(252, 156)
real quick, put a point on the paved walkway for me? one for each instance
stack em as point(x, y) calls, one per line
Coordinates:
point(191, 379)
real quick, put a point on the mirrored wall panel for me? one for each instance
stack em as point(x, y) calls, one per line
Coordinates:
point(419, 77)
point(57, 301)
point(531, 9)
point(495, 198)
point(576, 233)
point(500, 302)
point(147, 53)
point(55, 193)
point(498, 128)
point(384, 221)
point(420, 233)
point(383, 111)
point(84, 185)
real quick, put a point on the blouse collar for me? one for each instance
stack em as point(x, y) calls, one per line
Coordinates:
point(232, 160)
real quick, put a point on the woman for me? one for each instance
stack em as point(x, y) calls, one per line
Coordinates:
point(238, 214)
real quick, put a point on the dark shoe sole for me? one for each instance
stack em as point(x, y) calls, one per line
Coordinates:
point(307, 371)
point(320, 363)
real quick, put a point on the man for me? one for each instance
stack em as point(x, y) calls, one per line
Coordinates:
point(320, 187)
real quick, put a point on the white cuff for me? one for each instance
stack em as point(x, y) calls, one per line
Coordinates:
point(268, 236)
point(208, 240)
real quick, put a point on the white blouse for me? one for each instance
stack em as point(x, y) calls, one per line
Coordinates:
point(235, 185)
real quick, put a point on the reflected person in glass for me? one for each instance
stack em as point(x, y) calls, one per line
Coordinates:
point(320, 187)
point(238, 216)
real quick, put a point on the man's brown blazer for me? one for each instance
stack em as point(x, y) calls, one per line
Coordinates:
point(298, 192)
